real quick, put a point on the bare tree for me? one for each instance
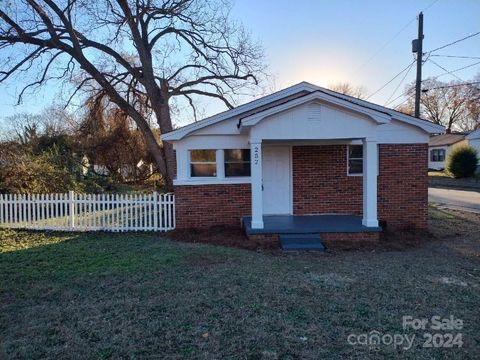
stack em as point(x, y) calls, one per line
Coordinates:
point(154, 50)
point(346, 88)
point(451, 104)
point(108, 138)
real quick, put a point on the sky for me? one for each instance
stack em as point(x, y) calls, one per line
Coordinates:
point(365, 43)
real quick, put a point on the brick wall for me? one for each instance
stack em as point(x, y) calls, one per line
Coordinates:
point(320, 181)
point(403, 186)
point(321, 185)
point(202, 206)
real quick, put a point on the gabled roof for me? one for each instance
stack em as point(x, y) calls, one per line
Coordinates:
point(473, 135)
point(298, 90)
point(446, 139)
point(379, 116)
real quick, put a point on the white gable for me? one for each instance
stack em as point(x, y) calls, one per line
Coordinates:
point(312, 121)
point(226, 123)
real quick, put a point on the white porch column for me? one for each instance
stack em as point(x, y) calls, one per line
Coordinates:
point(370, 168)
point(256, 176)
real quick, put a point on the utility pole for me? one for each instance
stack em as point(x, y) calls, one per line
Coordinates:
point(417, 46)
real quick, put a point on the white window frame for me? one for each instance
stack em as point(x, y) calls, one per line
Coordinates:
point(355, 158)
point(190, 163)
point(208, 180)
point(437, 151)
point(236, 162)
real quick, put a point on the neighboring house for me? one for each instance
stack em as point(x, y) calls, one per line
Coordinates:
point(474, 140)
point(125, 171)
point(440, 146)
point(304, 150)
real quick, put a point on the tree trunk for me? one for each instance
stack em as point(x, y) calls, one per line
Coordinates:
point(156, 150)
point(165, 124)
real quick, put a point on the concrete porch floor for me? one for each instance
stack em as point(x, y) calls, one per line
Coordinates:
point(308, 224)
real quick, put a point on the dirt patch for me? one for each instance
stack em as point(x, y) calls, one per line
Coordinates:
point(404, 239)
point(220, 235)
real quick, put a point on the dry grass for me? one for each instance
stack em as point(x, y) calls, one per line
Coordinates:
point(141, 296)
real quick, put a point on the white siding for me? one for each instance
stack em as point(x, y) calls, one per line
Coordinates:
point(475, 143)
point(314, 121)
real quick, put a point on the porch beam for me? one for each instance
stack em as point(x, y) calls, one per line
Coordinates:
point(370, 169)
point(257, 186)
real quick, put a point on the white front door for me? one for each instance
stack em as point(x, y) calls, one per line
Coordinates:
point(277, 192)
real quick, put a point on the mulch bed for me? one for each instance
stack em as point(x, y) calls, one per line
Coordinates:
point(220, 235)
point(235, 237)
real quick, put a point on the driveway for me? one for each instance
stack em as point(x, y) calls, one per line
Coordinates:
point(455, 199)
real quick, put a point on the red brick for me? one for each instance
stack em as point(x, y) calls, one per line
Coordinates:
point(203, 206)
point(320, 186)
point(320, 181)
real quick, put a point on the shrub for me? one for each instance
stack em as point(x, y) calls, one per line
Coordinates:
point(462, 162)
point(21, 171)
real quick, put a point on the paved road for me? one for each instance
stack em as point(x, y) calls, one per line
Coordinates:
point(455, 199)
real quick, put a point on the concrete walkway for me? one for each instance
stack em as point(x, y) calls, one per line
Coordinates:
point(455, 199)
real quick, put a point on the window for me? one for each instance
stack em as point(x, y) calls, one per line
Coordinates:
point(355, 159)
point(203, 163)
point(237, 162)
point(437, 155)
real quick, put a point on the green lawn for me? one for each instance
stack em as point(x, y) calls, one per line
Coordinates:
point(141, 296)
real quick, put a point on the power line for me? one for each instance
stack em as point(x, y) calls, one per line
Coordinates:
point(452, 86)
point(406, 92)
point(385, 44)
point(462, 68)
point(400, 83)
point(457, 56)
point(389, 81)
point(455, 42)
point(447, 72)
point(405, 100)
point(401, 95)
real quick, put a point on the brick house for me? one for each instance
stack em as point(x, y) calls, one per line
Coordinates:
point(304, 160)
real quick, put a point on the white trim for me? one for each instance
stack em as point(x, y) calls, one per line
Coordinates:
point(257, 191)
point(333, 97)
point(213, 181)
point(235, 162)
point(379, 117)
point(370, 186)
point(265, 100)
point(189, 170)
point(291, 179)
point(220, 157)
point(348, 160)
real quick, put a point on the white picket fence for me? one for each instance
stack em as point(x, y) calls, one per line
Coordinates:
point(88, 212)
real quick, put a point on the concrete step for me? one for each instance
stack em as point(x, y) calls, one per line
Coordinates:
point(301, 242)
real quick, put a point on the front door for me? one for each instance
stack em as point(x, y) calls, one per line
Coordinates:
point(277, 193)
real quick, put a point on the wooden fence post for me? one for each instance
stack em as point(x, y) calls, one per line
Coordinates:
point(71, 205)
